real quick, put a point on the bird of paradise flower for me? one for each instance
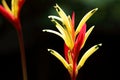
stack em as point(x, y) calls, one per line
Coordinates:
point(74, 40)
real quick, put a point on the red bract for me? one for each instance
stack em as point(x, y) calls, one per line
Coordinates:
point(12, 14)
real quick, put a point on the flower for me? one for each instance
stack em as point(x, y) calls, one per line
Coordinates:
point(74, 39)
point(12, 14)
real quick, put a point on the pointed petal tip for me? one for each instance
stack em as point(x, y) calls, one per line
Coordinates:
point(56, 5)
point(100, 44)
point(49, 49)
point(93, 26)
point(44, 30)
point(49, 17)
point(94, 10)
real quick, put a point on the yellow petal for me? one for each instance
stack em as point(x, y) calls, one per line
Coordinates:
point(84, 19)
point(70, 58)
point(87, 35)
point(6, 6)
point(55, 17)
point(52, 31)
point(59, 57)
point(14, 7)
point(66, 36)
point(64, 18)
point(59, 27)
point(87, 54)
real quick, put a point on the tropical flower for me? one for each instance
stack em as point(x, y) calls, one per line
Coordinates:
point(12, 14)
point(74, 39)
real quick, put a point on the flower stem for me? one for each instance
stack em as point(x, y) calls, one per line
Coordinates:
point(22, 52)
point(74, 72)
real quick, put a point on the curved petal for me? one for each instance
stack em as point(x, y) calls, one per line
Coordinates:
point(64, 18)
point(87, 54)
point(52, 31)
point(79, 41)
point(67, 37)
point(59, 57)
point(84, 19)
point(55, 17)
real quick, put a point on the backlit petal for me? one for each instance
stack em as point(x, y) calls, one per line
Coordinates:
point(67, 37)
point(52, 31)
point(55, 17)
point(59, 57)
point(14, 7)
point(84, 19)
point(64, 18)
point(87, 54)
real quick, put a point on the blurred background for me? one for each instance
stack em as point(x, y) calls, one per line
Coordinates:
point(41, 65)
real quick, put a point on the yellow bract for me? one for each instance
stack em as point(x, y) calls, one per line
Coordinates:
point(63, 61)
point(87, 54)
point(14, 7)
point(84, 19)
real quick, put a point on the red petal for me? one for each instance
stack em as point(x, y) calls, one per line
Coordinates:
point(72, 26)
point(79, 41)
point(73, 19)
point(6, 14)
point(20, 4)
point(10, 18)
point(66, 52)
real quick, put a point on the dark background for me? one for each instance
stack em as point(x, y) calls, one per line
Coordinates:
point(41, 65)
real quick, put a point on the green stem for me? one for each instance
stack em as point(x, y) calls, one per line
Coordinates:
point(22, 51)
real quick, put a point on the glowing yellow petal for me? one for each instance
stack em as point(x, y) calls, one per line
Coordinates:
point(55, 17)
point(57, 33)
point(86, 35)
point(87, 54)
point(52, 31)
point(70, 58)
point(84, 19)
point(66, 36)
point(59, 57)
point(6, 6)
point(64, 18)
point(14, 7)
point(59, 27)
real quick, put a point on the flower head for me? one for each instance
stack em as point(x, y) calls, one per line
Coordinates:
point(12, 13)
point(74, 39)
